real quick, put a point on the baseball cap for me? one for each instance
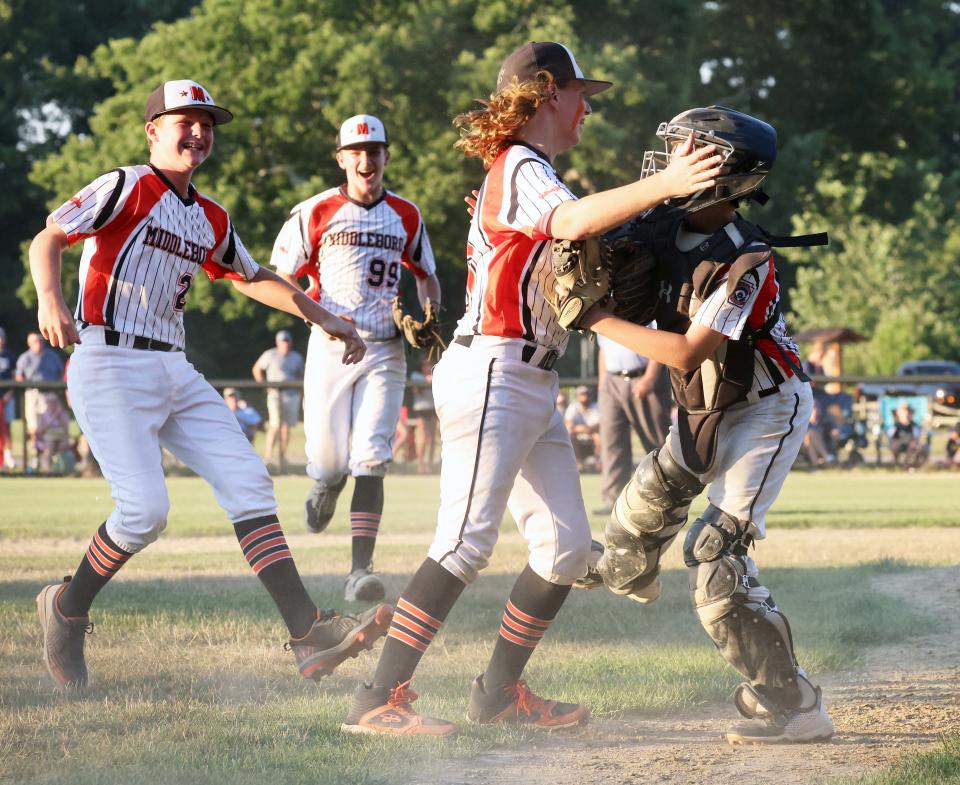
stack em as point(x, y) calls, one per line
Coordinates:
point(228, 391)
point(583, 389)
point(361, 129)
point(183, 94)
point(285, 335)
point(525, 62)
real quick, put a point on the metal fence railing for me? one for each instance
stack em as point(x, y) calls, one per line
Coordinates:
point(865, 410)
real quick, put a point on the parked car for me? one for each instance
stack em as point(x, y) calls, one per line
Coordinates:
point(943, 393)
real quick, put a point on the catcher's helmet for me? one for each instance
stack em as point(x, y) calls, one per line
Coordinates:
point(749, 147)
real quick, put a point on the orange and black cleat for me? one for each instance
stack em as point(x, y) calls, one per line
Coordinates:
point(518, 704)
point(386, 710)
point(334, 638)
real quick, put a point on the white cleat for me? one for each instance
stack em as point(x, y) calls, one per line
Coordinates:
point(363, 585)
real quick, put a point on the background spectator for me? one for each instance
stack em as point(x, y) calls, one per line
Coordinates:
point(38, 364)
point(7, 365)
point(423, 416)
point(51, 439)
point(633, 396)
point(248, 417)
point(905, 438)
point(562, 403)
point(280, 364)
point(583, 422)
point(952, 453)
point(817, 440)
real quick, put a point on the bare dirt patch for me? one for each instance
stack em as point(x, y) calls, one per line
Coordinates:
point(903, 699)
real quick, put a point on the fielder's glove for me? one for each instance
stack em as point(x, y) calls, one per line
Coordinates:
point(583, 279)
point(634, 278)
point(423, 334)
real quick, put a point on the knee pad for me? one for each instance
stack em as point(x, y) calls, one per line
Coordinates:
point(737, 611)
point(647, 516)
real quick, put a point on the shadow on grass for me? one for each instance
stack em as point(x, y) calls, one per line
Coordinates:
point(824, 604)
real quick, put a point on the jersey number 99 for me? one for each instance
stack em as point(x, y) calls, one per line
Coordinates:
point(380, 270)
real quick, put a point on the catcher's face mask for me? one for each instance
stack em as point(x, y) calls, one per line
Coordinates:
point(740, 174)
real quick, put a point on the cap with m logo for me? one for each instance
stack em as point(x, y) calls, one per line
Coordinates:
point(183, 94)
point(361, 129)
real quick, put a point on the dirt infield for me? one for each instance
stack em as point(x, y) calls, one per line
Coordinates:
point(901, 701)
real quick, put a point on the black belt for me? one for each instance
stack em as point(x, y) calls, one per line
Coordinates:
point(546, 362)
point(112, 338)
point(630, 374)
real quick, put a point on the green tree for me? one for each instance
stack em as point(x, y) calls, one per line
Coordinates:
point(894, 281)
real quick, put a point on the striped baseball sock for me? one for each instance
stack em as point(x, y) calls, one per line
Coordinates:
point(532, 606)
point(366, 508)
point(266, 551)
point(420, 611)
point(100, 563)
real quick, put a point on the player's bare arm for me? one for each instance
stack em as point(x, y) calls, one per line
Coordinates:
point(53, 317)
point(690, 171)
point(685, 351)
point(270, 289)
point(429, 288)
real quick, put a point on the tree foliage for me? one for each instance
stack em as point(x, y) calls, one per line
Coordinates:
point(851, 87)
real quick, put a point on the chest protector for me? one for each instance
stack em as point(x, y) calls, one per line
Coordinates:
point(731, 258)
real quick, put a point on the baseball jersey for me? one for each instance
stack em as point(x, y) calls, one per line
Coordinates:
point(510, 278)
point(143, 245)
point(352, 253)
point(752, 302)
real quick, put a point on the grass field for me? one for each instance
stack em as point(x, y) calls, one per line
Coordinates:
point(190, 682)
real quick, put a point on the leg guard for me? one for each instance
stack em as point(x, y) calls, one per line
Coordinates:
point(741, 617)
point(648, 514)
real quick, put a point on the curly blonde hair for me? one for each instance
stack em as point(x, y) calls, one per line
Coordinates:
point(485, 132)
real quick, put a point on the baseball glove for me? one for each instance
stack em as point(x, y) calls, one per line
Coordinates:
point(634, 279)
point(583, 279)
point(420, 334)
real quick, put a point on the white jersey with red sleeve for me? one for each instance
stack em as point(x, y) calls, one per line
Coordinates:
point(352, 253)
point(509, 272)
point(754, 300)
point(143, 245)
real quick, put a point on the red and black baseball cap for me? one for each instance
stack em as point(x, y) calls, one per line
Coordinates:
point(550, 56)
point(183, 94)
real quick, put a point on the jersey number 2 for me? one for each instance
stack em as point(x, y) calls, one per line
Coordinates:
point(183, 286)
point(379, 270)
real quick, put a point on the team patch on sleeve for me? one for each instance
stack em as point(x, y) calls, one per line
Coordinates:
point(741, 295)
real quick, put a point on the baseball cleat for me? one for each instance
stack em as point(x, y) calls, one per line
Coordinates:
point(63, 639)
point(796, 727)
point(365, 585)
point(592, 579)
point(321, 504)
point(386, 710)
point(517, 703)
point(335, 637)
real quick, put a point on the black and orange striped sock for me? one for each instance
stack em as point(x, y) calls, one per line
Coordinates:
point(421, 609)
point(366, 507)
point(267, 553)
point(532, 606)
point(100, 563)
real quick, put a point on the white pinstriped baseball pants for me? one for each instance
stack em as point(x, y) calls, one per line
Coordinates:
point(505, 446)
point(129, 403)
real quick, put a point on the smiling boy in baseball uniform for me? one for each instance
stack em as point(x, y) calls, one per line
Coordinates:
point(351, 242)
point(147, 232)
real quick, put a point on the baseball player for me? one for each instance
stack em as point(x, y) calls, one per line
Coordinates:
point(744, 404)
point(351, 242)
point(147, 232)
point(504, 444)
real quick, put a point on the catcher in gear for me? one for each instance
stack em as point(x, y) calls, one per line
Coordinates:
point(743, 407)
